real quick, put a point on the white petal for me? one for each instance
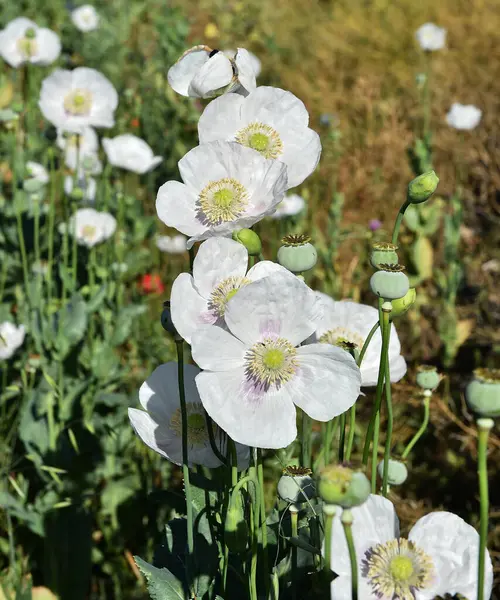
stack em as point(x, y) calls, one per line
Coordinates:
point(327, 382)
point(275, 101)
point(277, 306)
point(453, 546)
point(49, 47)
point(183, 71)
point(265, 268)
point(266, 421)
point(216, 260)
point(374, 522)
point(215, 73)
point(220, 119)
point(188, 309)
point(175, 205)
point(215, 349)
point(245, 67)
point(302, 151)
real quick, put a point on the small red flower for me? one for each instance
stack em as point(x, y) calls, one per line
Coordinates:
point(135, 122)
point(151, 284)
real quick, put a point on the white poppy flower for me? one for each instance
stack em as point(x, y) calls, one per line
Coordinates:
point(91, 227)
point(11, 338)
point(23, 41)
point(85, 18)
point(160, 427)
point(175, 244)
point(131, 153)
point(270, 120)
point(73, 100)
point(256, 64)
point(256, 371)
point(37, 171)
point(431, 37)
point(439, 557)
point(226, 187)
point(77, 146)
point(347, 321)
point(88, 185)
point(463, 116)
point(202, 73)
point(291, 205)
point(219, 271)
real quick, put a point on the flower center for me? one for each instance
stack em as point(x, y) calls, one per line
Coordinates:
point(271, 362)
point(197, 428)
point(222, 201)
point(262, 138)
point(78, 102)
point(397, 569)
point(27, 45)
point(88, 232)
point(224, 292)
point(339, 336)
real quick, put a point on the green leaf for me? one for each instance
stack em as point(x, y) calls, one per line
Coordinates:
point(72, 324)
point(124, 322)
point(162, 585)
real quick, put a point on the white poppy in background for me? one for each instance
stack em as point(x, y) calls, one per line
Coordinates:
point(23, 41)
point(271, 121)
point(431, 37)
point(202, 73)
point(463, 116)
point(438, 558)
point(85, 18)
point(87, 185)
point(77, 145)
point(256, 64)
point(256, 371)
point(37, 171)
point(160, 427)
point(348, 321)
point(73, 100)
point(219, 271)
point(291, 205)
point(11, 338)
point(131, 153)
point(172, 244)
point(226, 187)
point(91, 227)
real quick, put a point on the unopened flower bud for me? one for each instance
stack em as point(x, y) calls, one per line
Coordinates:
point(390, 282)
point(397, 472)
point(166, 319)
point(235, 526)
point(401, 305)
point(483, 393)
point(422, 187)
point(250, 240)
point(32, 185)
point(297, 254)
point(77, 194)
point(383, 253)
point(296, 485)
point(343, 486)
point(427, 377)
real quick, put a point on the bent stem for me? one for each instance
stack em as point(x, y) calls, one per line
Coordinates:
point(423, 427)
point(347, 524)
point(483, 426)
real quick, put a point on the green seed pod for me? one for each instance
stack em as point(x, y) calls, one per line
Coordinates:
point(383, 253)
point(427, 377)
point(343, 486)
point(397, 471)
point(390, 282)
point(77, 194)
point(422, 187)
point(250, 240)
point(483, 393)
point(235, 525)
point(423, 257)
point(297, 254)
point(402, 305)
point(296, 485)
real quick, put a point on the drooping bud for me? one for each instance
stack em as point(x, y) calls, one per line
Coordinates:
point(401, 305)
point(428, 377)
point(297, 254)
point(383, 253)
point(397, 472)
point(250, 240)
point(422, 187)
point(296, 485)
point(390, 282)
point(343, 486)
point(483, 393)
point(166, 319)
point(235, 525)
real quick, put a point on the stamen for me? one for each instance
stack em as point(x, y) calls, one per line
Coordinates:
point(222, 201)
point(224, 292)
point(261, 137)
point(88, 232)
point(340, 336)
point(271, 362)
point(78, 102)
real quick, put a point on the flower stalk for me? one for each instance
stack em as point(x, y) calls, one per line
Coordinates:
point(483, 426)
point(347, 525)
point(423, 427)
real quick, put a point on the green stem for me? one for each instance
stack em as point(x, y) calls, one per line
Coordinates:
point(483, 427)
point(263, 524)
point(22, 246)
point(367, 343)
point(422, 429)
point(399, 220)
point(427, 96)
point(329, 511)
point(376, 433)
point(390, 422)
point(294, 517)
point(342, 437)
point(306, 440)
point(352, 426)
point(52, 217)
point(347, 524)
point(211, 438)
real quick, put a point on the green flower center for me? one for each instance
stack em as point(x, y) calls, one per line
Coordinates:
point(223, 292)
point(223, 198)
point(263, 138)
point(78, 102)
point(258, 141)
point(273, 358)
point(221, 201)
point(401, 568)
point(27, 46)
point(88, 232)
point(271, 363)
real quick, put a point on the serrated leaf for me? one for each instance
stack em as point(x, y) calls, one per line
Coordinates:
point(162, 585)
